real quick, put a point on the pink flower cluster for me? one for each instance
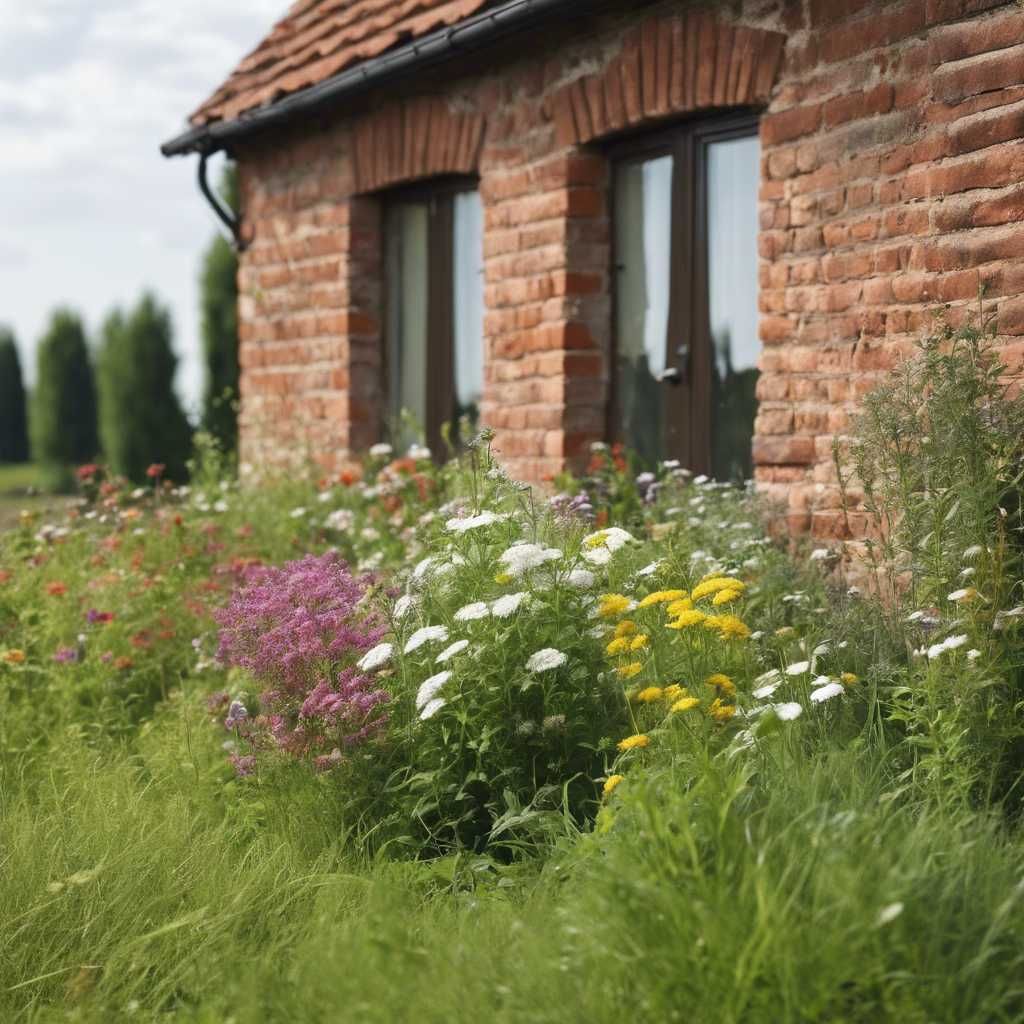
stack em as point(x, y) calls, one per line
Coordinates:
point(298, 629)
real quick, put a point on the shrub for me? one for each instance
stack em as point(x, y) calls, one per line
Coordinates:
point(63, 426)
point(141, 421)
point(13, 423)
point(938, 455)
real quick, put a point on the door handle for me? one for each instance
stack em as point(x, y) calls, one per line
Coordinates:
point(676, 375)
point(670, 375)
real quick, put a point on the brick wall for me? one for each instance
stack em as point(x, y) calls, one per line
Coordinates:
point(892, 181)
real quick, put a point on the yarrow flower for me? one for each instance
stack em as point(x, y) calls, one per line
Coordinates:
point(425, 635)
point(662, 597)
point(721, 712)
point(798, 668)
point(636, 742)
point(650, 694)
point(685, 704)
point(610, 783)
point(546, 659)
point(951, 643)
point(14, 656)
point(611, 605)
point(716, 584)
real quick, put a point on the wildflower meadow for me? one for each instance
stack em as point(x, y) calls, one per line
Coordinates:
point(418, 742)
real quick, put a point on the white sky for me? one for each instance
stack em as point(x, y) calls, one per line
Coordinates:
point(90, 212)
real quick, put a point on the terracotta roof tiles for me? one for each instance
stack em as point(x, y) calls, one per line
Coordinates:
point(318, 38)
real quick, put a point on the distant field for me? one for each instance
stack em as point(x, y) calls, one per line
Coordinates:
point(19, 489)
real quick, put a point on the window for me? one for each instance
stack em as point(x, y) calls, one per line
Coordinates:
point(684, 211)
point(434, 310)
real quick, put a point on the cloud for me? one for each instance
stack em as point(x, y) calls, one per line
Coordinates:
point(90, 212)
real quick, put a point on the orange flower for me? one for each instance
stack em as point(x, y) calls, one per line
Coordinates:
point(123, 663)
point(14, 656)
point(156, 470)
point(56, 588)
point(5, 576)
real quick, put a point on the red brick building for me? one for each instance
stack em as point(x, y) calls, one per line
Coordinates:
point(701, 227)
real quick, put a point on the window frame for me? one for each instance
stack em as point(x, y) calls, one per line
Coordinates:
point(438, 195)
point(687, 424)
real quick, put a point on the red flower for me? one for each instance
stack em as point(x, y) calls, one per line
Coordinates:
point(123, 663)
point(88, 471)
point(156, 470)
point(56, 588)
point(348, 477)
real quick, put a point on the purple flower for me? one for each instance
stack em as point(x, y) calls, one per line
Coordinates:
point(64, 655)
point(237, 714)
point(245, 764)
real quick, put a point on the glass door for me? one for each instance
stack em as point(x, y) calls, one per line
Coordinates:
point(685, 257)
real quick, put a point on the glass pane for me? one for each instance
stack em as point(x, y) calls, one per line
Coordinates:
point(643, 221)
point(468, 318)
point(732, 176)
point(406, 326)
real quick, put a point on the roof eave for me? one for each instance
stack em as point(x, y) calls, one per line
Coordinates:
point(435, 48)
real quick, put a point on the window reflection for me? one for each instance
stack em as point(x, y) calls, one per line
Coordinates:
point(732, 186)
point(468, 318)
point(643, 224)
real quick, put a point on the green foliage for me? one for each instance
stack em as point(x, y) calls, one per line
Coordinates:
point(13, 415)
point(807, 837)
point(937, 457)
point(218, 288)
point(141, 420)
point(63, 422)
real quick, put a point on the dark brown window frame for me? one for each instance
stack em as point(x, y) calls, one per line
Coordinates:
point(687, 434)
point(438, 194)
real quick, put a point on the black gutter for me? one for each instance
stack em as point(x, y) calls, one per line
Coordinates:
point(467, 36)
point(225, 213)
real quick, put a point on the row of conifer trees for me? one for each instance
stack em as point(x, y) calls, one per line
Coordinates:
point(115, 400)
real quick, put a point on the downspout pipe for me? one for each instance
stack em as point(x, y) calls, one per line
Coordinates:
point(475, 33)
point(226, 215)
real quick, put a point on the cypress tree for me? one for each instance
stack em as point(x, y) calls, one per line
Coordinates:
point(13, 423)
point(218, 289)
point(63, 423)
point(141, 419)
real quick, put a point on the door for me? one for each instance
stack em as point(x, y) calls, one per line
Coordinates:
point(686, 348)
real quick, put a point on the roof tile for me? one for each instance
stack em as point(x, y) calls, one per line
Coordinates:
point(317, 39)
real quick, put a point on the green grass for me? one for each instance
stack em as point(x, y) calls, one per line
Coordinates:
point(748, 871)
point(22, 488)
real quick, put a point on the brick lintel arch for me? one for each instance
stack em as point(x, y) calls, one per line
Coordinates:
point(669, 66)
point(419, 137)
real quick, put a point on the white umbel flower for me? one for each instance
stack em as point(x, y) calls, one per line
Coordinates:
point(429, 688)
point(376, 656)
point(426, 635)
point(599, 547)
point(546, 659)
point(826, 692)
point(464, 523)
point(798, 668)
point(380, 451)
point(505, 605)
point(431, 708)
point(788, 711)
point(521, 558)
point(765, 691)
point(582, 579)
point(470, 612)
point(449, 652)
point(403, 606)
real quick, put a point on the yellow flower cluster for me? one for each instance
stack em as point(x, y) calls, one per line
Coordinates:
point(721, 712)
point(610, 783)
point(727, 626)
point(14, 656)
point(685, 704)
point(662, 597)
point(650, 694)
point(630, 669)
point(634, 742)
point(716, 584)
point(611, 605)
point(722, 683)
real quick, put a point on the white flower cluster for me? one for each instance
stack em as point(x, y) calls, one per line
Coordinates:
point(546, 659)
point(427, 701)
point(520, 558)
point(599, 547)
point(425, 635)
point(462, 524)
point(376, 657)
